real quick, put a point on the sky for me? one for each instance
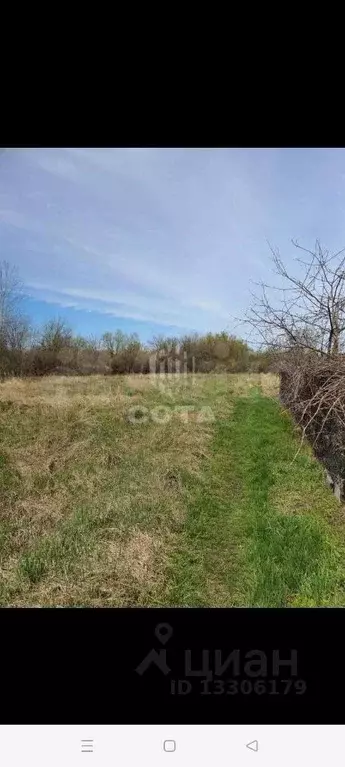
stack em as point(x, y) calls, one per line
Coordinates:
point(160, 240)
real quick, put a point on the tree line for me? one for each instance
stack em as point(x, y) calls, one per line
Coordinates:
point(54, 348)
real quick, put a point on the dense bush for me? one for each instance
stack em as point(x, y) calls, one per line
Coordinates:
point(312, 388)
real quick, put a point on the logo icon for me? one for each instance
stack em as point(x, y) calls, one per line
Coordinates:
point(163, 632)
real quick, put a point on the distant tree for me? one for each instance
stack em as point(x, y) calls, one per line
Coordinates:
point(93, 349)
point(56, 335)
point(164, 344)
point(124, 350)
point(114, 342)
point(10, 292)
point(79, 342)
point(14, 326)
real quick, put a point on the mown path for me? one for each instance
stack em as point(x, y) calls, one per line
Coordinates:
point(262, 529)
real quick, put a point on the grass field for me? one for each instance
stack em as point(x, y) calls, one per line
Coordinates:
point(114, 494)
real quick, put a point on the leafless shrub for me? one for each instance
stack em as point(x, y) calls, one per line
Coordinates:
point(314, 392)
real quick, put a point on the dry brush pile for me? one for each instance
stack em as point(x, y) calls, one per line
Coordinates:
point(312, 388)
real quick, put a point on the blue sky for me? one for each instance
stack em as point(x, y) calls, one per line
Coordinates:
point(160, 240)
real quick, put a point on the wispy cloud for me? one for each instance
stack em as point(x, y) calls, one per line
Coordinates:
point(164, 236)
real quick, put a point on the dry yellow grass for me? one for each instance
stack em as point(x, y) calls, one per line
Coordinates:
point(269, 383)
point(91, 500)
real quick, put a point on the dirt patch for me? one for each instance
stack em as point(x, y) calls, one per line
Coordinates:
point(138, 555)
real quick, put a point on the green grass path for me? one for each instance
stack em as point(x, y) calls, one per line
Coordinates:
point(261, 530)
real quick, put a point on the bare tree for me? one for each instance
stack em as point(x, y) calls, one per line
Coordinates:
point(10, 294)
point(93, 347)
point(114, 342)
point(56, 335)
point(14, 326)
point(307, 311)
